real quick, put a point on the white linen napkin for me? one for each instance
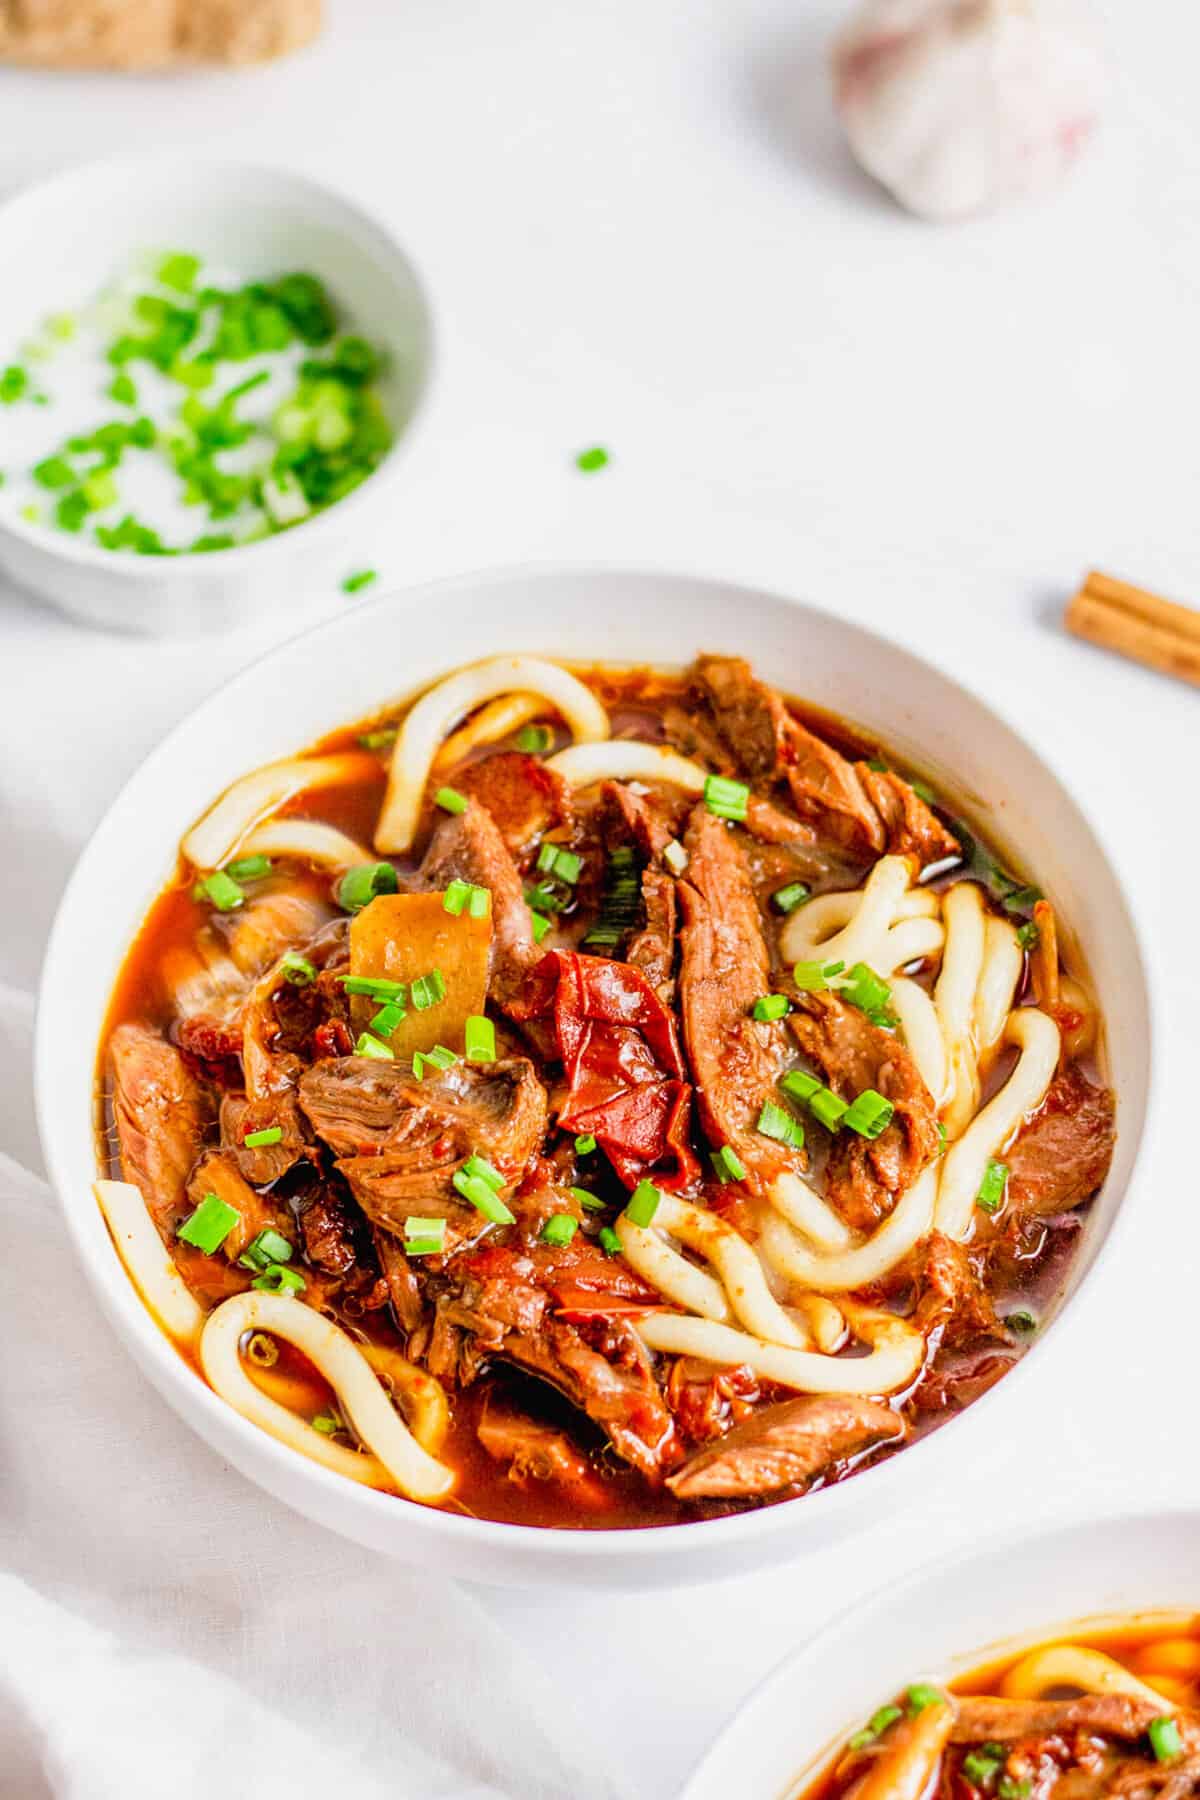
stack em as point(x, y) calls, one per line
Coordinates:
point(167, 1629)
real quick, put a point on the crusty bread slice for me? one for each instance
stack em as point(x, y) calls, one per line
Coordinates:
point(153, 34)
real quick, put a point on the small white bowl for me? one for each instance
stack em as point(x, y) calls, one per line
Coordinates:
point(947, 1619)
point(65, 240)
point(349, 668)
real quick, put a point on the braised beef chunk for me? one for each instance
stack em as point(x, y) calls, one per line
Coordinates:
point(468, 847)
point(750, 716)
point(532, 1450)
point(981, 1719)
point(724, 968)
point(162, 1116)
point(910, 827)
point(652, 949)
point(785, 1445)
point(865, 1177)
point(241, 1118)
point(217, 1173)
point(951, 1297)
point(1062, 1155)
point(602, 1367)
point(645, 821)
point(523, 797)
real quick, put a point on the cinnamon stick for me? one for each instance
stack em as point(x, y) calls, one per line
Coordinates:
point(1117, 616)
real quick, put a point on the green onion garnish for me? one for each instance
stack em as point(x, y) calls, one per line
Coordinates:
point(327, 1424)
point(278, 1280)
point(382, 739)
point(1165, 1740)
point(450, 800)
point(122, 389)
point(585, 1145)
point(249, 868)
point(727, 799)
point(454, 900)
point(559, 1229)
point(360, 885)
point(775, 1122)
point(564, 864)
point(1009, 1789)
point(800, 1084)
point(827, 1108)
point(366, 1045)
point(387, 1019)
point(541, 925)
point(221, 890)
point(1028, 935)
point(354, 584)
point(480, 1039)
point(54, 472)
point(482, 1196)
point(589, 1202)
point(875, 1726)
point(868, 1114)
point(588, 461)
point(210, 1224)
point(534, 739)
point(479, 903)
point(609, 1242)
point(267, 1248)
point(920, 1695)
point(727, 1165)
point(979, 1766)
point(437, 1058)
point(543, 899)
point(814, 977)
point(486, 1171)
point(771, 1006)
point(1021, 1321)
point(424, 1237)
point(924, 792)
point(991, 1188)
point(428, 990)
point(374, 987)
point(258, 1140)
point(865, 989)
point(643, 1203)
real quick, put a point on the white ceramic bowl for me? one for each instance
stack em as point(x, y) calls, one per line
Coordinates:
point(66, 238)
point(948, 1618)
point(345, 670)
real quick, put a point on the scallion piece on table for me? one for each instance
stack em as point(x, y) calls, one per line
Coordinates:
point(559, 1229)
point(210, 1224)
point(643, 1204)
point(354, 584)
point(450, 800)
point(727, 799)
point(771, 1006)
point(727, 1165)
point(480, 1039)
point(360, 885)
point(588, 461)
point(258, 1140)
point(991, 1188)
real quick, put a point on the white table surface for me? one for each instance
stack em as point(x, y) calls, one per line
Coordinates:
point(640, 230)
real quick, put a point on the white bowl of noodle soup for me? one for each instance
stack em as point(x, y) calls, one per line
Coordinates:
point(1070, 1582)
point(350, 669)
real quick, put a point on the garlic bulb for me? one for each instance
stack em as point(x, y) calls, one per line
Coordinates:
point(958, 106)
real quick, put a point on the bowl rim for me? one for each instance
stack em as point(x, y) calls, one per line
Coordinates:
point(149, 570)
point(125, 1309)
point(1062, 1521)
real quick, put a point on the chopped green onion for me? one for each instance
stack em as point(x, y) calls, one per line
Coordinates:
point(814, 977)
point(267, 1248)
point(374, 987)
point(589, 1202)
point(643, 1203)
point(924, 792)
point(543, 899)
point(875, 1726)
point(360, 885)
point(455, 898)
point(1020, 1321)
point(534, 739)
point(53, 472)
point(827, 1108)
point(480, 902)
point(585, 1145)
point(868, 1113)
point(727, 1165)
point(675, 856)
point(425, 1246)
point(482, 1196)
point(1009, 1789)
point(262, 1349)
point(979, 1766)
point(249, 868)
point(726, 799)
point(258, 1140)
point(382, 739)
point(437, 1058)
point(800, 1084)
point(609, 1242)
point(221, 889)
point(425, 1229)
point(367, 1045)
point(450, 800)
point(991, 1188)
point(1029, 935)
point(480, 1166)
point(588, 461)
point(541, 925)
point(210, 1224)
point(559, 1229)
point(122, 389)
point(941, 1131)
point(278, 1280)
point(480, 1039)
point(428, 990)
point(14, 380)
point(771, 1006)
point(179, 269)
point(775, 1122)
point(354, 584)
point(564, 864)
point(920, 1695)
point(1165, 1740)
point(327, 1424)
point(387, 1019)
point(863, 988)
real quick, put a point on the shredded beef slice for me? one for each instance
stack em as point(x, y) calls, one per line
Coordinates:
point(469, 847)
point(785, 1445)
point(161, 1115)
point(1062, 1155)
point(524, 798)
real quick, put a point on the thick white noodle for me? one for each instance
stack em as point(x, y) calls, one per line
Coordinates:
point(905, 1226)
point(897, 1351)
point(863, 937)
point(812, 1215)
point(1003, 962)
point(954, 997)
point(743, 1284)
point(147, 1261)
point(307, 840)
point(430, 719)
point(909, 941)
point(362, 1400)
point(825, 1321)
point(1072, 1665)
point(922, 1033)
point(626, 759)
point(215, 837)
point(1037, 1037)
